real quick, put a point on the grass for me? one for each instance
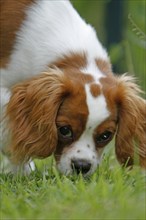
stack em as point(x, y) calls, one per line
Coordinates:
point(111, 193)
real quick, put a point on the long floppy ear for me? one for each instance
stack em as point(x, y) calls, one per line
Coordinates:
point(31, 114)
point(131, 134)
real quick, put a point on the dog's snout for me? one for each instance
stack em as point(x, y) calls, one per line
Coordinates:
point(80, 166)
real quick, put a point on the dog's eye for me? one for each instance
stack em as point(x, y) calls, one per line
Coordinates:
point(104, 137)
point(66, 132)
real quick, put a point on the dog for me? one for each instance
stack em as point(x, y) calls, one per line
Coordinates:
point(59, 94)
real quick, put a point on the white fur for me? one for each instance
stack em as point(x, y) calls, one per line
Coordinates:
point(98, 112)
point(4, 98)
point(52, 29)
point(93, 69)
point(24, 169)
point(97, 107)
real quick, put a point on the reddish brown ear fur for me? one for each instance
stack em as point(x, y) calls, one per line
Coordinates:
point(31, 114)
point(131, 134)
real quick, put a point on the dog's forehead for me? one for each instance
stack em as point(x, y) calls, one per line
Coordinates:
point(85, 108)
point(97, 106)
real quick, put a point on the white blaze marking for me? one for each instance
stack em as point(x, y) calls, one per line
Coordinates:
point(98, 112)
point(97, 108)
point(93, 68)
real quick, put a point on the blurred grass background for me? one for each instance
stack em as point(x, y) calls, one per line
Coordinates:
point(121, 27)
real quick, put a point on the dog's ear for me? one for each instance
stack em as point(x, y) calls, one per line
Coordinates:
point(31, 114)
point(131, 133)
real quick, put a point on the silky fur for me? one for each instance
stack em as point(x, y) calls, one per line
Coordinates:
point(55, 72)
point(34, 104)
point(130, 108)
point(32, 111)
point(131, 138)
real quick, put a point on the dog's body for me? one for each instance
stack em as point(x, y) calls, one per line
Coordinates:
point(58, 91)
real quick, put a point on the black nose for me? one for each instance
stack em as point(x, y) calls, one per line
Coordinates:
point(80, 166)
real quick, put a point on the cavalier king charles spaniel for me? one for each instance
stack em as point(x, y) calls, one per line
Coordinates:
point(58, 92)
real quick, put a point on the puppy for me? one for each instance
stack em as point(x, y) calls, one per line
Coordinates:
point(58, 93)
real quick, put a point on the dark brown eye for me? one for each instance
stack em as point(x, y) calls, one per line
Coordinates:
point(104, 137)
point(66, 132)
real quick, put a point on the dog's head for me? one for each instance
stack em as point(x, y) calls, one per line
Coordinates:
point(69, 113)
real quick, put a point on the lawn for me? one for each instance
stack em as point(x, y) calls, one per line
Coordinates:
point(111, 193)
